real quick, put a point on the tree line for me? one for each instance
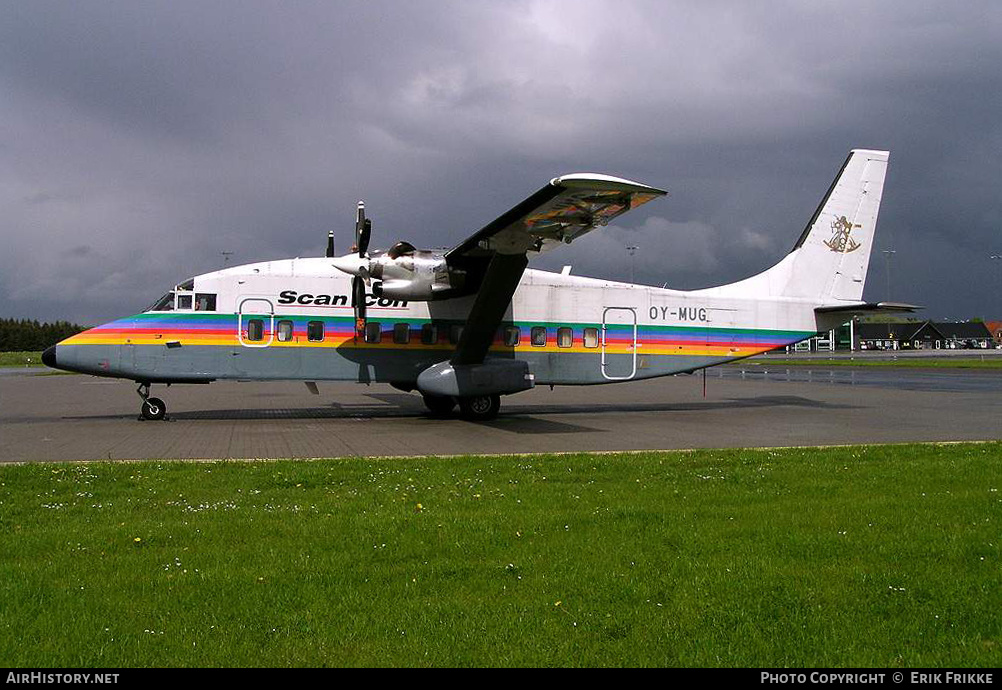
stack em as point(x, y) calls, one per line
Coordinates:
point(18, 335)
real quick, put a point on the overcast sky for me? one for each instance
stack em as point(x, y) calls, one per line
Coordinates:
point(141, 140)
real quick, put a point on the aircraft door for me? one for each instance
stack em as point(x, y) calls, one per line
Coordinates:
point(256, 323)
point(619, 343)
point(255, 331)
point(261, 354)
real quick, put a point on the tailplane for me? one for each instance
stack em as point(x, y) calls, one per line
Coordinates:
point(828, 263)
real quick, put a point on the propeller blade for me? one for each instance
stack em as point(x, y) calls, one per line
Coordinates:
point(358, 304)
point(363, 240)
point(363, 229)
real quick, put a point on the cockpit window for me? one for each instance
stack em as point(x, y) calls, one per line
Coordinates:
point(205, 301)
point(165, 303)
point(188, 285)
point(184, 301)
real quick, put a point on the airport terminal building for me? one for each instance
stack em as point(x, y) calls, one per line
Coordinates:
point(910, 335)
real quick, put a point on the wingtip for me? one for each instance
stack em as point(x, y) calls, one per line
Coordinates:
point(872, 153)
point(602, 181)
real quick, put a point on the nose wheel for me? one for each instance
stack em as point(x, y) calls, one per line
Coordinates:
point(152, 408)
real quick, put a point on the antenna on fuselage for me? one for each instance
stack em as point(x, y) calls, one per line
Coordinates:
point(330, 244)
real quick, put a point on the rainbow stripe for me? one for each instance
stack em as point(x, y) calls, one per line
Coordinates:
point(221, 330)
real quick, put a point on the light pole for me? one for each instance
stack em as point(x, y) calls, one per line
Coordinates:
point(632, 249)
point(887, 260)
point(998, 257)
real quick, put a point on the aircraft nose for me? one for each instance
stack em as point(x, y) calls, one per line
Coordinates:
point(49, 357)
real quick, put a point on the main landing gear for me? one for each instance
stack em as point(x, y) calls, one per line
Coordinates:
point(152, 408)
point(480, 408)
point(439, 405)
point(475, 408)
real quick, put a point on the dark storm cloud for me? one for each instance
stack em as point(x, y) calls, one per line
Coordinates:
point(143, 139)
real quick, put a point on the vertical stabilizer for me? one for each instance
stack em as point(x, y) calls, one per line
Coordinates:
point(828, 263)
point(833, 253)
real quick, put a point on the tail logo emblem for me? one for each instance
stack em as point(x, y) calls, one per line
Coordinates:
point(840, 241)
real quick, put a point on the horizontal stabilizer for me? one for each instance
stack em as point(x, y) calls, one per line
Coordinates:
point(868, 308)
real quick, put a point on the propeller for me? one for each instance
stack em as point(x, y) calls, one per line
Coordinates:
point(363, 230)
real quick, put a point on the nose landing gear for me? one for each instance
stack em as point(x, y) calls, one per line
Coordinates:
point(152, 408)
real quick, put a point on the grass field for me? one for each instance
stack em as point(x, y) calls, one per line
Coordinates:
point(21, 359)
point(862, 556)
point(989, 362)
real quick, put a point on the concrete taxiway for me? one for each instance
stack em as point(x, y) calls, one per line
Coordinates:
point(87, 418)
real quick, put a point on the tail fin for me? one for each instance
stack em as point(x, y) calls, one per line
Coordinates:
point(828, 263)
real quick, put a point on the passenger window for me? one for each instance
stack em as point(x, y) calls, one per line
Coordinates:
point(373, 332)
point(455, 333)
point(401, 333)
point(591, 337)
point(205, 301)
point(284, 331)
point(315, 331)
point(538, 336)
point(255, 329)
point(511, 336)
point(184, 301)
point(565, 337)
point(429, 334)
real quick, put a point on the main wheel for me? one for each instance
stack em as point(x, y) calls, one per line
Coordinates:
point(439, 405)
point(480, 408)
point(153, 408)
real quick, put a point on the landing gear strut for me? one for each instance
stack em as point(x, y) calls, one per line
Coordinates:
point(152, 408)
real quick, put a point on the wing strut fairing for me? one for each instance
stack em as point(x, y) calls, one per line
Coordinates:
point(493, 298)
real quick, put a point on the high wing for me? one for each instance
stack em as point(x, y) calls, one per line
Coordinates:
point(565, 209)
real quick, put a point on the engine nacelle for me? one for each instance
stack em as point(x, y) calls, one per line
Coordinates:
point(415, 275)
